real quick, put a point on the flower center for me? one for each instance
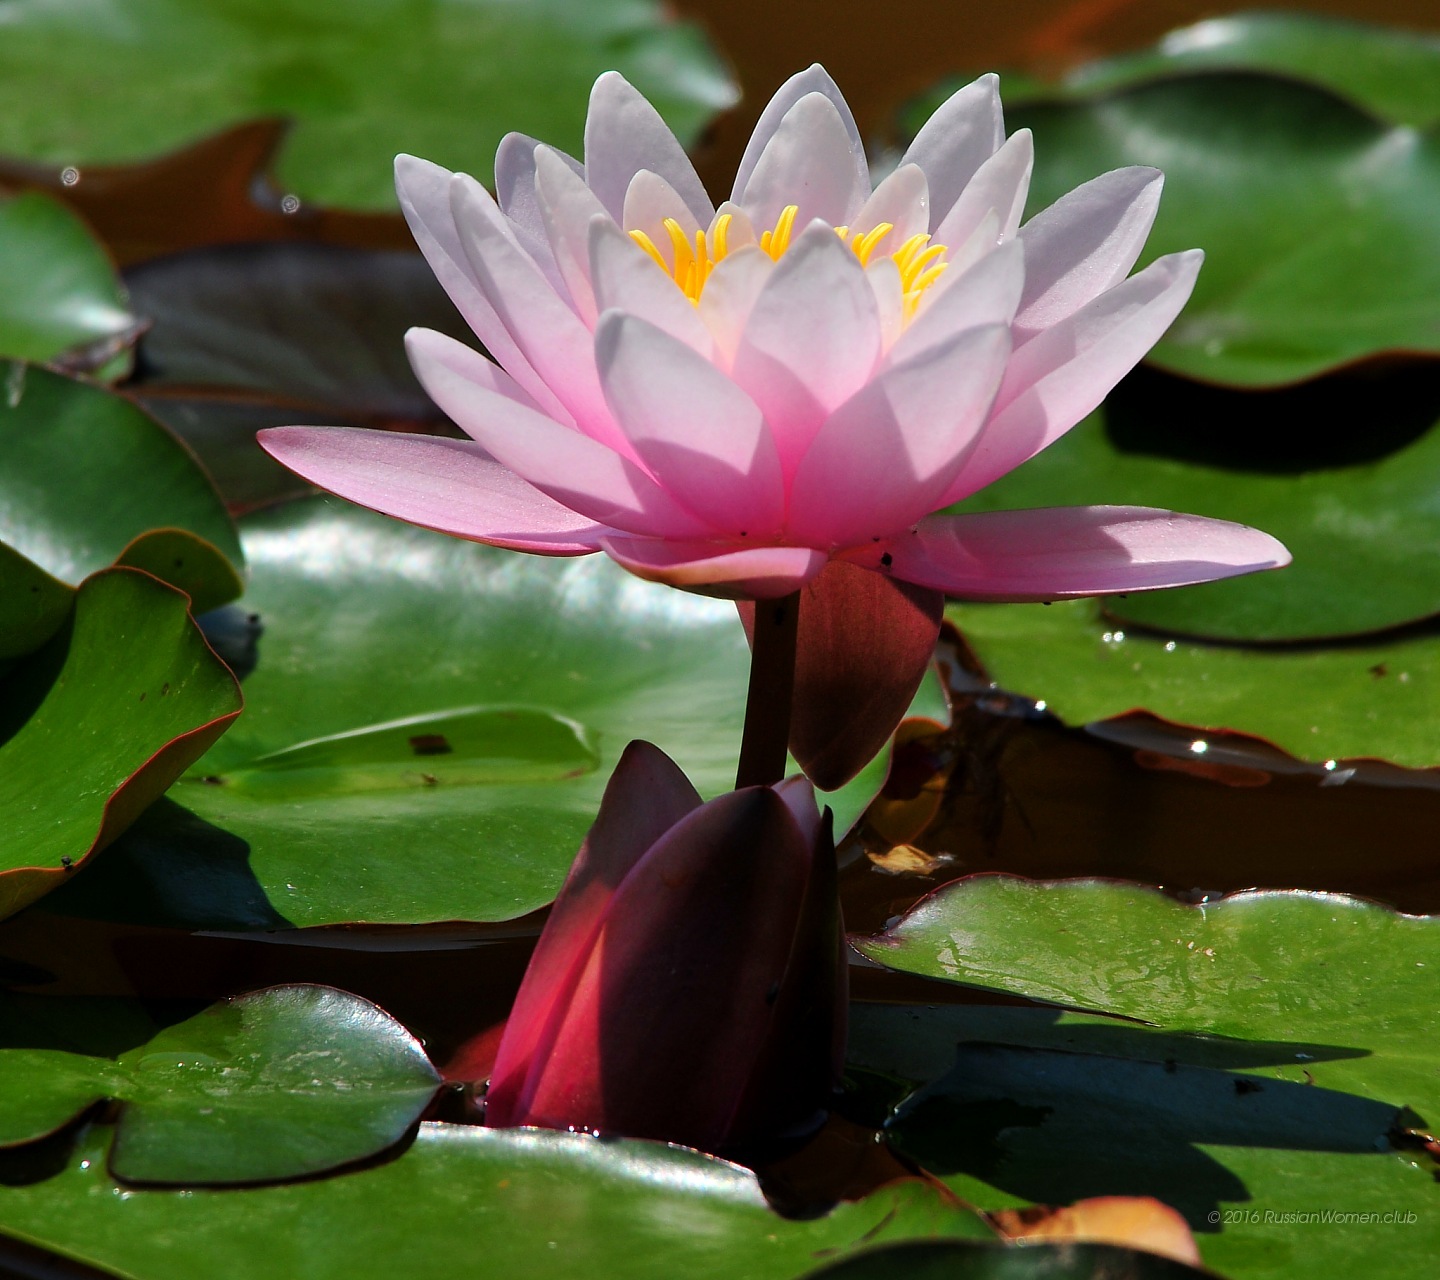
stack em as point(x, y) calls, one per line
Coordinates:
point(920, 263)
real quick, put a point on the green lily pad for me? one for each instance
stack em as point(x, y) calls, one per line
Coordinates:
point(1393, 73)
point(1365, 538)
point(58, 290)
point(1271, 966)
point(1281, 1179)
point(99, 723)
point(1359, 701)
point(515, 1202)
point(111, 80)
point(973, 1260)
point(1315, 216)
point(277, 1084)
point(88, 480)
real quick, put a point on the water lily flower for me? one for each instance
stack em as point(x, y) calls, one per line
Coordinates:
point(689, 984)
point(767, 395)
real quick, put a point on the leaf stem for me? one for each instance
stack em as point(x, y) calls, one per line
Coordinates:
point(772, 689)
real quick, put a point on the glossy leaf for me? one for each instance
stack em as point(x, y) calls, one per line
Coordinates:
point(1315, 217)
point(276, 1084)
point(87, 480)
point(1365, 537)
point(444, 79)
point(527, 1202)
point(1280, 1178)
point(98, 724)
point(1391, 72)
point(57, 288)
point(1368, 700)
point(1255, 966)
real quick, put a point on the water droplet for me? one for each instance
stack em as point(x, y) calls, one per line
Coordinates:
point(290, 204)
point(1169, 646)
point(70, 175)
point(1199, 746)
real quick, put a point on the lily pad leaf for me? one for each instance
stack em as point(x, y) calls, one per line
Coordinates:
point(1315, 217)
point(1273, 966)
point(58, 290)
point(98, 723)
point(276, 1084)
point(1371, 700)
point(531, 1202)
point(974, 1260)
point(118, 78)
point(33, 604)
point(1365, 537)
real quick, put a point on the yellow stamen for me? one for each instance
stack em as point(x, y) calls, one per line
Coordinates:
point(912, 270)
point(776, 243)
point(865, 245)
point(720, 234)
point(681, 242)
point(648, 245)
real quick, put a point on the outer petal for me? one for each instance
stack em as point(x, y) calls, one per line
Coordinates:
point(987, 293)
point(812, 340)
point(1056, 379)
point(962, 134)
point(572, 468)
point(424, 191)
point(646, 796)
point(1001, 184)
point(554, 341)
point(449, 485)
point(626, 277)
point(700, 436)
point(885, 458)
point(865, 643)
point(1084, 243)
point(567, 207)
point(814, 79)
point(624, 134)
point(1051, 553)
point(809, 162)
point(716, 569)
point(676, 1002)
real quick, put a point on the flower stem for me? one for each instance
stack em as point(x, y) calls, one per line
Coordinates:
point(772, 688)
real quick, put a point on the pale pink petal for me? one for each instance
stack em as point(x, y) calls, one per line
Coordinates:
point(814, 79)
point(471, 364)
point(570, 467)
point(649, 201)
point(808, 162)
point(515, 194)
point(552, 337)
point(1057, 378)
point(625, 277)
point(1001, 184)
point(424, 191)
point(624, 134)
point(448, 485)
point(742, 231)
point(1084, 243)
point(883, 277)
point(986, 294)
point(700, 436)
point(729, 297)
point(567, 207)
point(1051, 553)
point(903, 200)
point(962, 134)
point(885, 457)
point(718, 569)
point(812, 340)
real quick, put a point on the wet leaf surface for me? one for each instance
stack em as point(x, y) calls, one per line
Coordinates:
point(99, 723)
point(117, 79)
point(57, 288)
point(278, 1084)
point(530, 1202)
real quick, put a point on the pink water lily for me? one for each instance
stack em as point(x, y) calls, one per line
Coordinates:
point(728, 399)
point(689, 984)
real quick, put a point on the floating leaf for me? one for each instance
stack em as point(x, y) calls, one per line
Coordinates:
point(276, 1084)
point(972, 1260)
point(58, 290)
point(445, 79)
point(527, 1202)
point(1256, 966)
point(98, 724)
point(1369, 700)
